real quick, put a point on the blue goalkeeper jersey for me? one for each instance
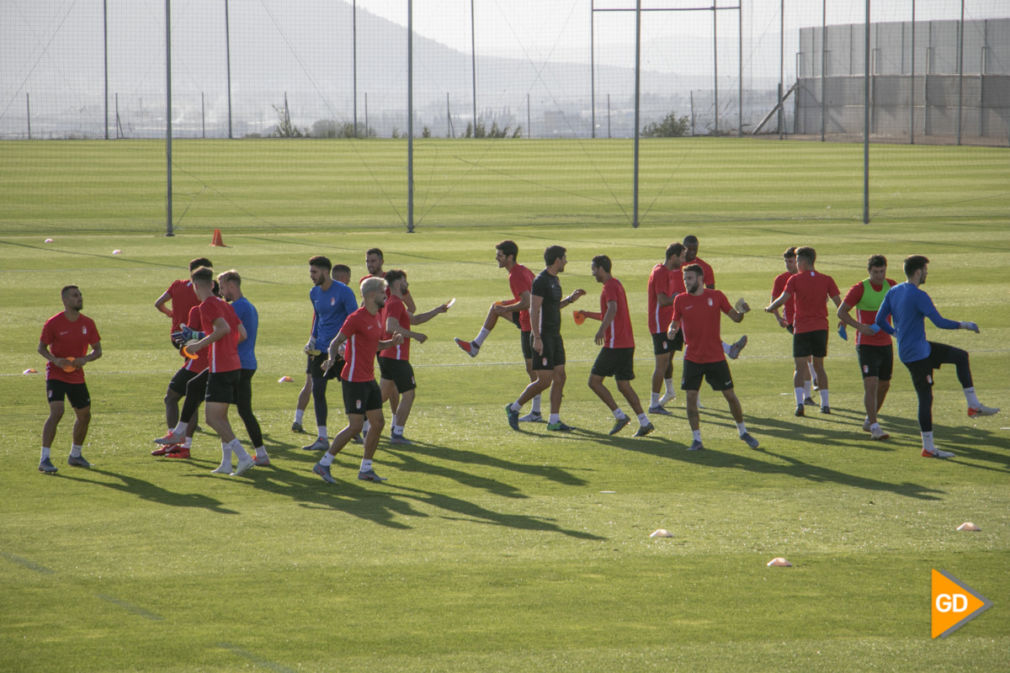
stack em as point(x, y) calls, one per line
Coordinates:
point(908, 306)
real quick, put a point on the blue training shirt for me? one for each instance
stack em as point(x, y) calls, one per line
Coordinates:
point(246, 312)
point(908, 305)
point(331, 310)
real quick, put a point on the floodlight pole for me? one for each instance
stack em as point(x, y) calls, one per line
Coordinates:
point(105, 51)
point(866, 119)
point(592, 67)
point(168, 118)
point(782, 67)
point(227, 61)
point(824, 57)
point(410, 116)
point(911, 88)
point(354, 63)
point(638, 62)
point(739, 69)
point(473, 67)
point(960, 71)
point(715, 62)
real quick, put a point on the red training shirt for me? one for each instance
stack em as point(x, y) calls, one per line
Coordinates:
point(363, 331)
point(789, 308)
point(699, 317)
point(68, 339)
point(223, 355)
point(854, 295)
point(395, 308)
point(811, 291)
point(661, 281)
point(183, 299)
point(521, 280)
point(619, 334)
point(709, 276)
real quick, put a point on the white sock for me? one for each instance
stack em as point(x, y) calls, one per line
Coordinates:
point(741, 428)
point(75, 450)
point(226, 453)
point(669, 387)
point(536, 405)
point(397, 429)
point(555, 418)
point(261, 452)
point(618, 414)
point(655, 400)
point(813, 373)
point(696, 434)
point(808, 388)
point(800, 396)
point(365, 427)
point(643, 420)
point(239, 450)
point(326, 460)
point(725, 347)
point(187, 443)
point(969, 394)
point(299, 414)
point(366, 464)
point(824, 397)
point(927, 441)
point(483, 334)
point(45, 453)
point(321, 429)
point(180, 428)
point(516, 407)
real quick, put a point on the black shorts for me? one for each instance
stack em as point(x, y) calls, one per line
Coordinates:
point(876, 361)
point(922, 370)
point(811, 343)
point(316, 367)
point(514, 319)
point(716, 373)
point(525, 339)
point(663, 344)
point(616, 362)
point(308, 363)
point(399, 372)
point(553, 354)
point(361, 396)
point(180, 380)
point(223, 386)
point(77, 393)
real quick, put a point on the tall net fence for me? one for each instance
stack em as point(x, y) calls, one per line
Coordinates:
point(523, 112)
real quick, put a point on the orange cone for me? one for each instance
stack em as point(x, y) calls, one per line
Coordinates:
point(216, 242)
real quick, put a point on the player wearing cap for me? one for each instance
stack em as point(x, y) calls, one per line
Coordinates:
point(64, 344)
point(698, 313)
point(617, 357)
point(362, 333)
point(516, 311)
point(665, 283)
point(909, 305)
point(876, 355)
point(397, 375)
point(810, 330)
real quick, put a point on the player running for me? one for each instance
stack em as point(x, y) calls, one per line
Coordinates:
point(876, 355)
point(810, 329)
point(665, 283)
point(64, 344)
point(617, 357)
point(786, 323)
point(697, 313)
point(362, 332)
point(909, 305)
point(397, 375)
point(548, 347)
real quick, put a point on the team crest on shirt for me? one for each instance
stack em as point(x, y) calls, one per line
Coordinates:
point(710, 302)
point(333, 301)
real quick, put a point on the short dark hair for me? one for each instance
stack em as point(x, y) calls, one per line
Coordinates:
point(321, 262)
point(374, 251)
point(508, 248)
point(674, 250)
point(695, 268)
point(807, 253)
point(690, 239)
point(195, 264)
point(394, 275)
point(66, 290)
point(340, 268)
point(876, 261)
point(553, 253)
point(790, 252)
point(913, 263)
point(203, 275)
point(602, 262)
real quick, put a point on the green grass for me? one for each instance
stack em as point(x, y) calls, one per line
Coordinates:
point(487, 549)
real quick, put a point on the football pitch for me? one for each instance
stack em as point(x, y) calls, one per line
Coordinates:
point(488, 549)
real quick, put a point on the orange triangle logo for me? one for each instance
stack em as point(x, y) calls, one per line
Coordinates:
point(954, 604)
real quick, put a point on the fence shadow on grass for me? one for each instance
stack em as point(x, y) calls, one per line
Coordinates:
point(145, 490)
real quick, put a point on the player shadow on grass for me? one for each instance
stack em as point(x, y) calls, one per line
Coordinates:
point(145, 490)
point(408, 456)
point(965, 441)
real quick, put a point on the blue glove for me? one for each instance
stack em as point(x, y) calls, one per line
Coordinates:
point(842, 333)
point(970, 325)
point(186, 333)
